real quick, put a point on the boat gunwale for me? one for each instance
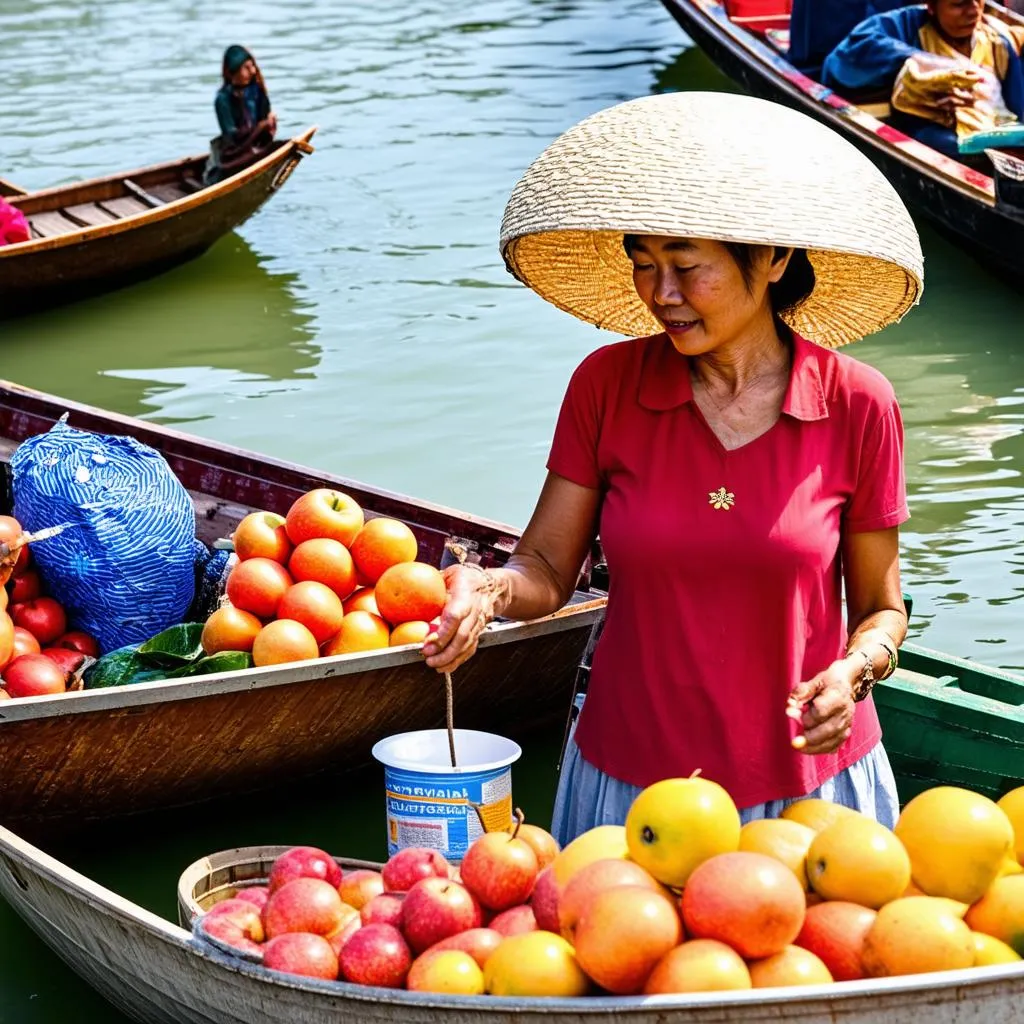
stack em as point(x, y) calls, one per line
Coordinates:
point(293, 147)
point(103, 900)
point(338, 666)
point(843, 113)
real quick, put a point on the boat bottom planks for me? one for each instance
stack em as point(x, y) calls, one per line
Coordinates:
point(157, 973)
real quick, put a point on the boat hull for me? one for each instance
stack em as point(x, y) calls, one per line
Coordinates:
point(156, 973)
point(47, 272)
point(957, 200)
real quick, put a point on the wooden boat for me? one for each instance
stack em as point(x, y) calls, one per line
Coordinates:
point(949, 721)
point(982, 215)
point(156, 972)
point(83, 756)
point(101, 234)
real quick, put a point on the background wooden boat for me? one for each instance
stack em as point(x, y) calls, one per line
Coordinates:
point(102, 234)
point(950, 721)
point(97, 753)
point(8, 188)
point(960, 201)
point(155, 972)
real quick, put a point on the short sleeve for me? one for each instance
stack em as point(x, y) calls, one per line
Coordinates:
point(880, 498)
point(574, 446)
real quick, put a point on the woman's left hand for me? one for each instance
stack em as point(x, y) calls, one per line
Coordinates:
point(827, 705)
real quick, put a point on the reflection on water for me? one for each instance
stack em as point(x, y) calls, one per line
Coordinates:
point(214, 331)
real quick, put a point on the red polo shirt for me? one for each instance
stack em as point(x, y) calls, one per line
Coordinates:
point(725, 568)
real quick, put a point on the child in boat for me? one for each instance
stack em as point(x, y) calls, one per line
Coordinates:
point(952, 69)
point(247, 124)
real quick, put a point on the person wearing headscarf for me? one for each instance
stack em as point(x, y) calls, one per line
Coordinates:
point(741, 474)
point(247, 124)
point(952, 69)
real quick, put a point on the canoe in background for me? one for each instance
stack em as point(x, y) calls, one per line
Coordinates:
point(98, 235)
point(949, 721)
point(983, 216)
point(8, 188)
point(79, 757)
point(157, 973)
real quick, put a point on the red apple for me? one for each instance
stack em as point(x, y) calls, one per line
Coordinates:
point(515, 920)
point(235, 922)
point(257, 895)
point(545, 901)
point(352, 924)
point(76, 640)
point(26, 587)
point(479, 943)
point(44, 618)
point(262, 535)
point(304, 905)
point(324, 513)
point(304, 862)
point(358, 887)
point(32, 674)
point(301, 953)
point(543, 843)
point(834, 932)
point(405, 868)
point(24, 643)
point(499, 870)
point(435, 908)
point(383, 909)
point(376, 954)
point(70, 661)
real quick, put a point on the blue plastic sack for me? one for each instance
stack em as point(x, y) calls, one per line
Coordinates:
point(125, 568)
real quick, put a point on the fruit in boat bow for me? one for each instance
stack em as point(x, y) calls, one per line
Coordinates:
point(304, 862)
point(304, 905)
point(324, 513)
point(499, 870)
point(406, 867)
point(436, 908)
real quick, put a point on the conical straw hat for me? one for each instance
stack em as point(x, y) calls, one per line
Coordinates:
point(717, 166)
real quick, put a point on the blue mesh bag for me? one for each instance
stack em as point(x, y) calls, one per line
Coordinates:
point(124, 569)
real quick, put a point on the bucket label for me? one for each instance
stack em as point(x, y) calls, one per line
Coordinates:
point(436, 812)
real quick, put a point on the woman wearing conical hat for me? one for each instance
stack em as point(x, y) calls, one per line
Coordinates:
point(741, 474)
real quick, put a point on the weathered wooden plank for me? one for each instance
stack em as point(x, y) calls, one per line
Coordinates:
point(125, 206)
point(142, 195)
point(169, 192)
point(52, 223)
point(92, 214)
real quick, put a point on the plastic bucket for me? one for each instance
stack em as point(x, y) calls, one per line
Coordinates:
point(427, 801)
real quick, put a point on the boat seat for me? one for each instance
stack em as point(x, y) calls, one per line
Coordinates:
point(126, 206)
point(141, 194)
point(89, 214)
point(169, 192)
point(50, 223)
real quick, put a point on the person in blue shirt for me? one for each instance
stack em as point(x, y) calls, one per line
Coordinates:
point(247, 124)
point(873, 57)
point(816, 26)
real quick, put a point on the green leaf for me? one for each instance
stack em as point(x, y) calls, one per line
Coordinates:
point(174, 647)
point(118, 668)
point(222, 661)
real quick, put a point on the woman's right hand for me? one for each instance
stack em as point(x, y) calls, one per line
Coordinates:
point(472, 594)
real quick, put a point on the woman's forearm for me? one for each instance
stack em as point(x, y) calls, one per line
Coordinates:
point(527, 587)
point(875, 633)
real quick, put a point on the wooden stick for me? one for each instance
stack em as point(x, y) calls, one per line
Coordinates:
point(449, 699)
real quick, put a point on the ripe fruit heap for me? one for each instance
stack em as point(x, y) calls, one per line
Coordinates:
point(38, 656)
point(321, 581)
point(822, 895)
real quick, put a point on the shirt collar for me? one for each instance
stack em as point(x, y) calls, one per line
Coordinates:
point(665, 379)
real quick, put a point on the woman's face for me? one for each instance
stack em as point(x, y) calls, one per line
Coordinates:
point(696, 290)
point(957, 19)
point(245, 74)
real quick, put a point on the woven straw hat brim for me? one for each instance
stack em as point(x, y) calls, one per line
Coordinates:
point(714, 166)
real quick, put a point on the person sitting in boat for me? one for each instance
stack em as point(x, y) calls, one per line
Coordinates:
point(737, 469)
point(816, 26)
point(247, 124)
point(952, 70)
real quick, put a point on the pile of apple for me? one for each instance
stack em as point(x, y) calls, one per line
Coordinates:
point(323, 580)
point(38, 654)
point(680, 899)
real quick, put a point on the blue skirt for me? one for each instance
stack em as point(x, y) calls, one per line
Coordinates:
point(586, 797)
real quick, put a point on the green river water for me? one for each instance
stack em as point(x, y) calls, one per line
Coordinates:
point(363, 322)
